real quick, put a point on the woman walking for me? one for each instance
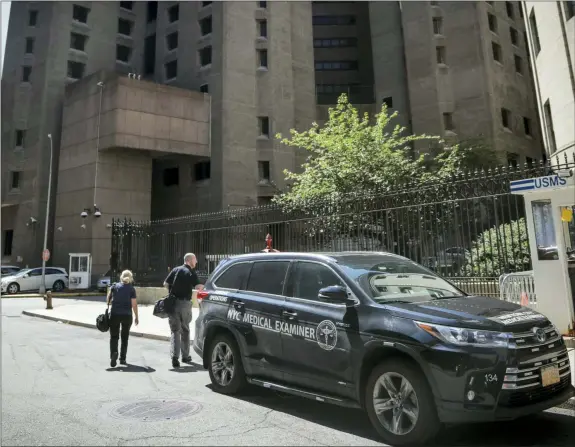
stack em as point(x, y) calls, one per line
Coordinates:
point(122, 297)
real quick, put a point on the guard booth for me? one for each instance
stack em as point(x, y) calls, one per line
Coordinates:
point(549, 213)
point(80, 271)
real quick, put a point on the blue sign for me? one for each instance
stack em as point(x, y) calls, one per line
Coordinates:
point(538, 183)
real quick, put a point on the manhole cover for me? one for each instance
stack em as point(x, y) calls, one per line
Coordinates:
point(156, 410)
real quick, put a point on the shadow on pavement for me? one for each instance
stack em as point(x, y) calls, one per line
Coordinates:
point(132, 368)
point(188, 368)
point(543, 429)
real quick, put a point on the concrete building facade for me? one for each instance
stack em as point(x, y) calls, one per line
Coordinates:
point(551, 39)
point(243, 71)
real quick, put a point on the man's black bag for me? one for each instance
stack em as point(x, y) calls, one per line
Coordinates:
point(164, 307)
point(103, 322)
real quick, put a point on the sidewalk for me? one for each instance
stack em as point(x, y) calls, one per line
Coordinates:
point(84, 313)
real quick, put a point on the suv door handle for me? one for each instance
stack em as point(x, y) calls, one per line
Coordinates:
point(238, 303)
point(290, 315)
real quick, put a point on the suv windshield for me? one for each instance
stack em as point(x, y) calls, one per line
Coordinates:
point(388, 278)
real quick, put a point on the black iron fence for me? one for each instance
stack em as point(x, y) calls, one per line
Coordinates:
point(470, 229)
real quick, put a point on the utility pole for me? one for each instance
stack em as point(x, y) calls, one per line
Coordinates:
point(43, 284)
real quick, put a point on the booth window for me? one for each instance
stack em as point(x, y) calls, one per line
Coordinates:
point(545, 237)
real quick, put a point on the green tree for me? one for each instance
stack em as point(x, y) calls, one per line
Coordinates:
point(501, 249)
point(353, 155)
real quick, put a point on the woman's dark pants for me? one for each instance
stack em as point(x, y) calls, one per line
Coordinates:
point(119, 324)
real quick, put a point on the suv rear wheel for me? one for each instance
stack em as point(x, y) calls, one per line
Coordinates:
point(226, 368)
point(400, 404)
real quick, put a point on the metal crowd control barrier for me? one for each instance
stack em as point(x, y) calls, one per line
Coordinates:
point(518, 288)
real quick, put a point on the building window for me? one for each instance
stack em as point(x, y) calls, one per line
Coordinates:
point(172, 41)
point(80, 14)
point(75, 70)
point(530, 161)
point(15, 179)
point(569, 9)
point(8, 238)
point(206, 26)
point(492, 20)
point(26, 73)
point(509, 8)
point(518, 64)
point(514, 36)
point(204, 88)
point(440, 55)
point(448, 121)
point(78, 41)
point(264, 170)
point(496, 50)
point(29, 45)
point(127, 5)
point(171, 176)
point(334, 66)
point(388, 102)
point(263, 58)
point(125, 27)
point(534, 32)
point(171, 69)
point(434, 3)
point(262, 5)
point(174, 13)
point(204, 4)
point(335, 43)
point(490, 3)
point(20, 134)
point(437, 25)
point(549, 126)
point(527, 126)
point(152, 13)
point(512, 160)
point(202, 171)
point(264, 126)
point(334, 20)
point(506, 118)
point(150, 55)
point(123, 53)
point(263, 28)
point(205, 56)
point(32, 18)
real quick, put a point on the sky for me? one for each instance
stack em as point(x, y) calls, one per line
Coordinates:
point(5, 17)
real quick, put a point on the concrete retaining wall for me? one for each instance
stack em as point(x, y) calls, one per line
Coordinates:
point(149, 295)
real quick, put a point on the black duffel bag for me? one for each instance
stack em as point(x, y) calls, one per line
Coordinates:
point(103, 321)
point(164, 307)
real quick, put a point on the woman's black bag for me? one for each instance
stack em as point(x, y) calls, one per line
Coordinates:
point(164, 307)
point(103, 322)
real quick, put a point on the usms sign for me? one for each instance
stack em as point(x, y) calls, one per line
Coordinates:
point(539, 184)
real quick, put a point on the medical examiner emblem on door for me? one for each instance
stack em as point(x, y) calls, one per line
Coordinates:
point(326, 335)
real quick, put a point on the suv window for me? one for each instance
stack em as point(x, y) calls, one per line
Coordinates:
point(50, 271)
point(268, 277)
point(35, 272)
point(233, 278)
point(311, 277)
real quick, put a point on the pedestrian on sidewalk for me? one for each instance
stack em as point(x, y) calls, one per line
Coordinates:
point(122, 297)
point(181, 283)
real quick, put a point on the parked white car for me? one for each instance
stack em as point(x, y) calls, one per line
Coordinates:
point(30, 280)
point(9, 270)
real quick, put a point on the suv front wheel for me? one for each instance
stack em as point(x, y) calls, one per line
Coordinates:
point(400, 404)
point(226, 368)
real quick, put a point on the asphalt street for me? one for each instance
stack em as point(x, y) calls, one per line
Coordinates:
point(58, 389)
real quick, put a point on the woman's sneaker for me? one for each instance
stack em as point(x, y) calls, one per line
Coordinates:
point(113, 359)
point(175, 362)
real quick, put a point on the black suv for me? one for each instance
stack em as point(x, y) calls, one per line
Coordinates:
point(379, 332)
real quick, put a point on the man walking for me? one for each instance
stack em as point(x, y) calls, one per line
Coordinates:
point(181, 282)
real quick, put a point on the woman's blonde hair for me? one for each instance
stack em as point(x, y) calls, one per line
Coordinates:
point(126, 277)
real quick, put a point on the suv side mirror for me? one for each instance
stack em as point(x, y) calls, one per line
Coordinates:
point(335, 294)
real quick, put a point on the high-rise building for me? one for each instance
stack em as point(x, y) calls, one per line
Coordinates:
point(551, 39)
point(158, 109)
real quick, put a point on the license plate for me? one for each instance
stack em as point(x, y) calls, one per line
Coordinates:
point(550, 375)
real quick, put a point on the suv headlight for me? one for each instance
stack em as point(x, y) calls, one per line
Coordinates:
point(467, 337)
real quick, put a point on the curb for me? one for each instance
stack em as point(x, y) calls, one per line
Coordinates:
point(55, 295)
point(93, 326)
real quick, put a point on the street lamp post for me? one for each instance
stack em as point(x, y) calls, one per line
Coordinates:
point(43, 284)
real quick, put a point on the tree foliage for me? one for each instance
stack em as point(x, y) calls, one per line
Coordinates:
point(501, 249)
point(353, 154)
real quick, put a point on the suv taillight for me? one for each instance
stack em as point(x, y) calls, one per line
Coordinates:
point(201, 295)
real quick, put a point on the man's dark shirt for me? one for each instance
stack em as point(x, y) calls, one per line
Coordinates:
point(184, 284)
